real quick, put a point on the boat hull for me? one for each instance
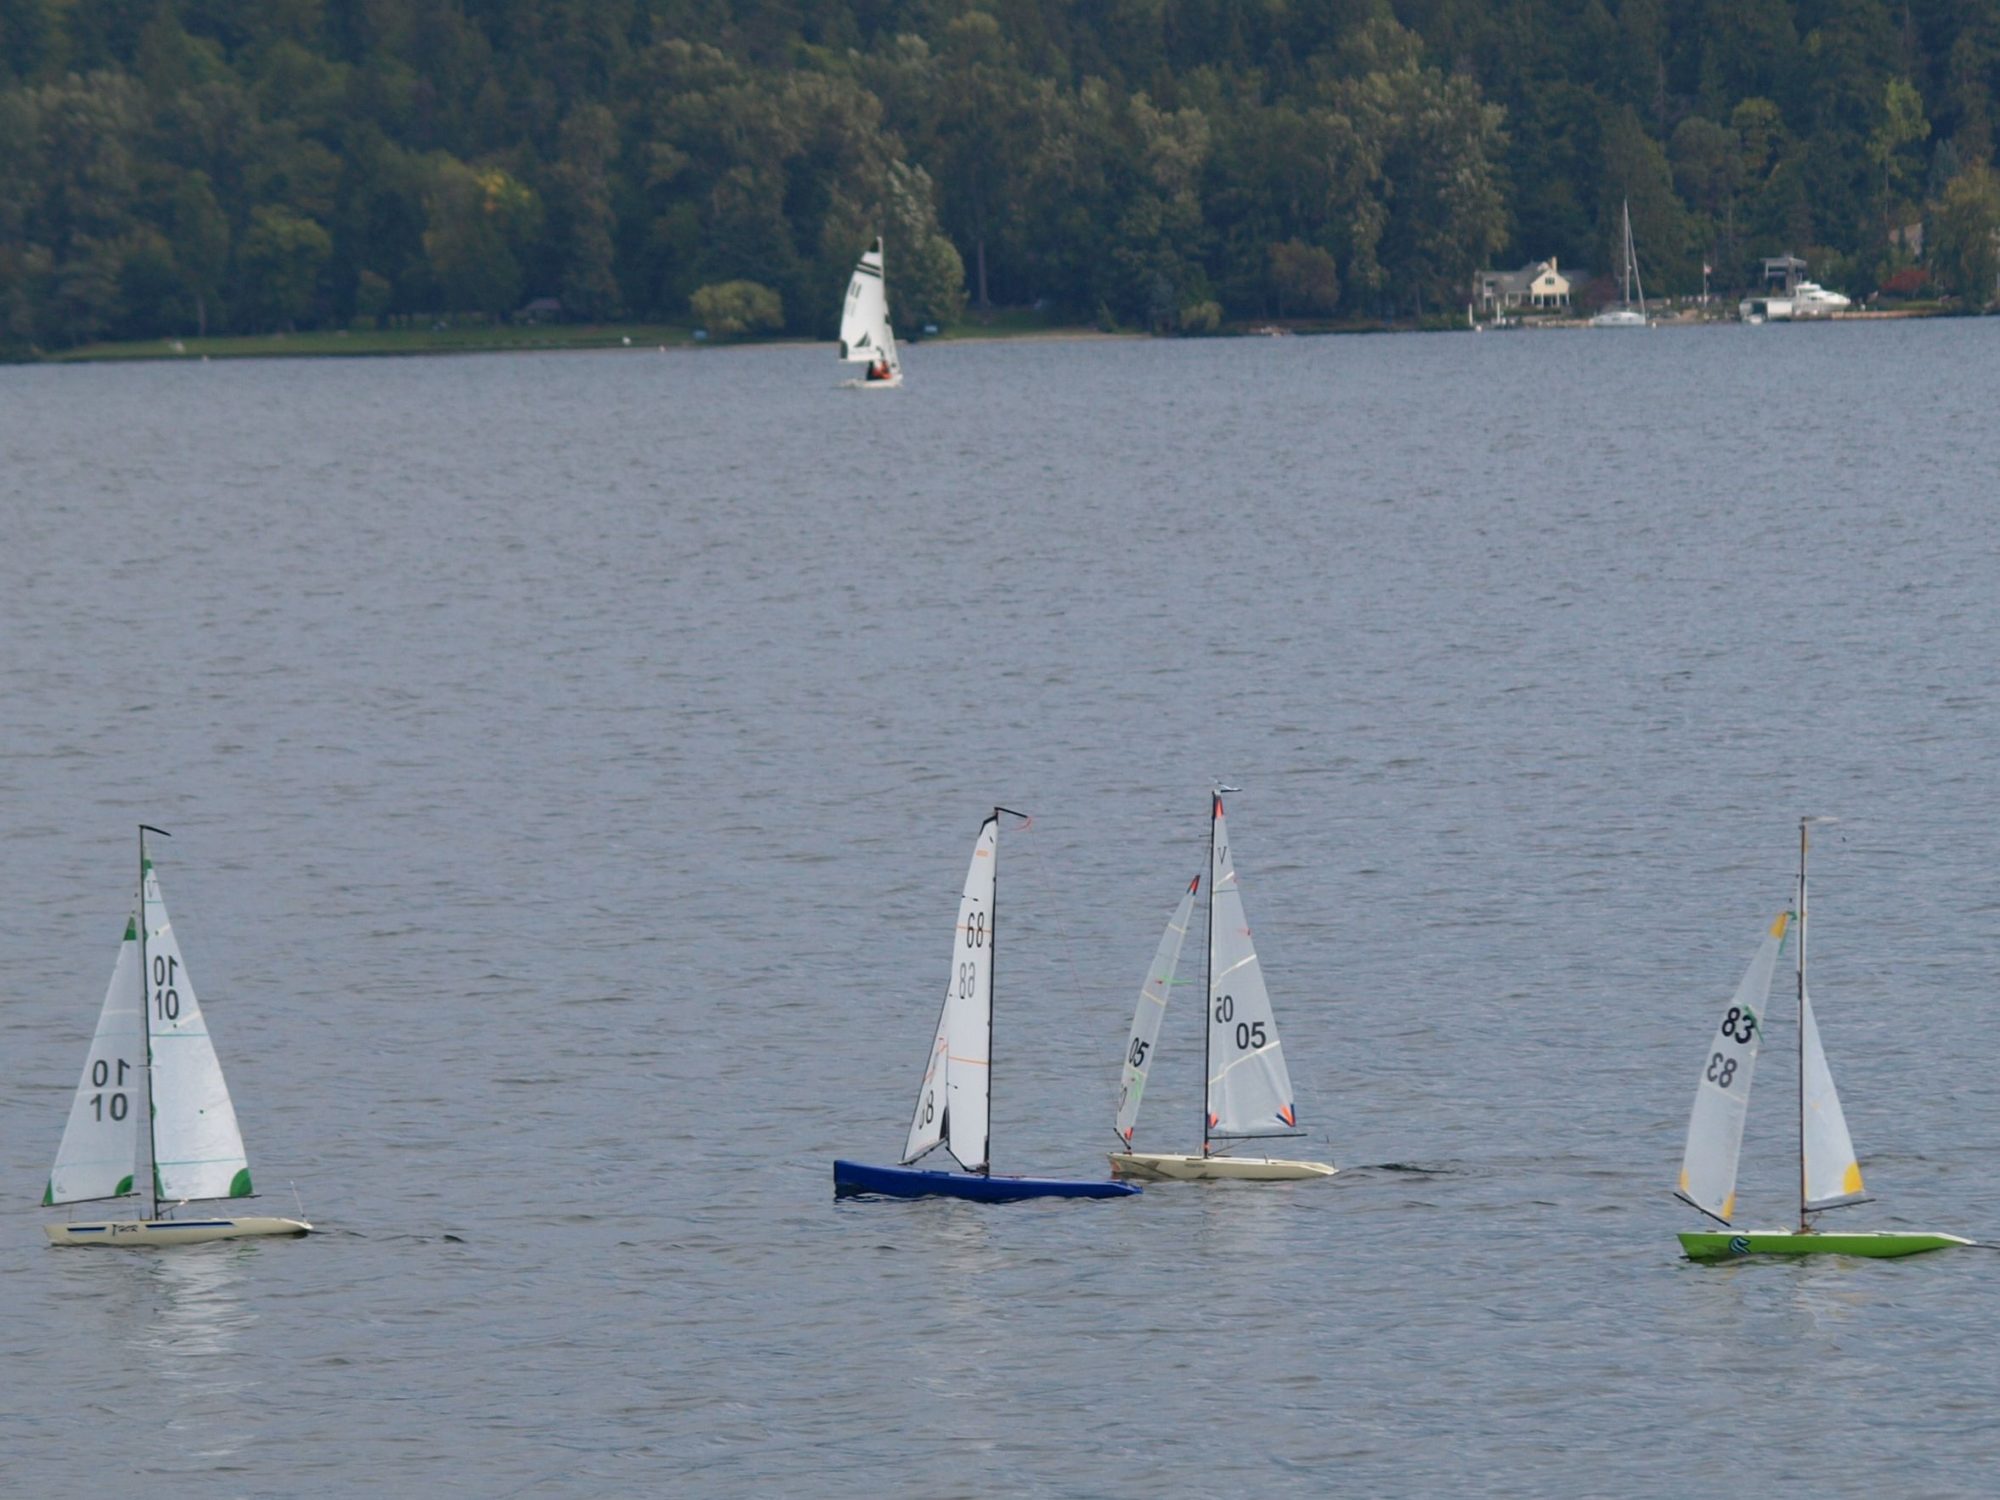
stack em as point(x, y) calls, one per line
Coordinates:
point(1722, 1244)
point(137, 1233)
point(1151, 1166)
point(893, 383)
point(853, 1178)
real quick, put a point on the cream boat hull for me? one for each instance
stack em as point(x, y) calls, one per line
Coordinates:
point(138, 1232)
point(1151, 1166)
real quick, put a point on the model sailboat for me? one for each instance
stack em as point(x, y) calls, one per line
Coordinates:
point(954, 1104)
point(865, 335)
point(152, 1114)
point(1249, 1092)
point(1829, 1174)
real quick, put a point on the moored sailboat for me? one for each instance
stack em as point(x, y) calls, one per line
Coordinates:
point(1625, 315)
point(954, 1103)
point(1248, 1093)
point(865, 335)
point(1829, 1173)
point(151, 1063)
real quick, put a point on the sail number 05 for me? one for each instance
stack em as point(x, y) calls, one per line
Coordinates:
point(1249, 1034)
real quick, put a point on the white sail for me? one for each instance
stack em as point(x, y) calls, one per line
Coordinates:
point(1249, 1091)
point(952, 1103)
point(1722, 1096)
point(197, 1148)
point(1832, 1175)
point(100, 1155)
point(865, 335)
point(1151, 1009)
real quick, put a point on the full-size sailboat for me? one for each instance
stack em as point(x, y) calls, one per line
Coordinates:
point(865, 335)
point(1625, 315)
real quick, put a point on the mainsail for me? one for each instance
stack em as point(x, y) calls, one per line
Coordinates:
point(865, 335)
point(1722, 1096)
point(100, 1151)
point(1832, 1175)
point(952, 1103)
point(1249, 1091)
point(197, 1148)
point(1151, 1009)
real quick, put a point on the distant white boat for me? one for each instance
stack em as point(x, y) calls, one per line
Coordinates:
point(1625, 315)
point(1807, 300)
point(865, 335)
point(151, 1063)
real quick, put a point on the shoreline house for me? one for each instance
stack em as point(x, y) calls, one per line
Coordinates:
point(1536, 287)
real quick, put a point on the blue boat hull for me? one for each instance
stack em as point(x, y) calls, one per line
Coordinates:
point(852, 1177)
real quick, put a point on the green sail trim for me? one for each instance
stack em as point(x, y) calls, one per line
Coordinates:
point(239, 1185)
point(124, 1186)
point(131, 929)
point(49, 1194)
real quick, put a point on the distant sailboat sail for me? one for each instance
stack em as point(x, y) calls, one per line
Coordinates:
point(1249, 1091)
point(952, 1104)
point(865, 335)
point(1151, 1009)
point(1722, 1096)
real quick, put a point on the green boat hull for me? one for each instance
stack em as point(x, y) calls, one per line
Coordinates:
point(1723, 1244)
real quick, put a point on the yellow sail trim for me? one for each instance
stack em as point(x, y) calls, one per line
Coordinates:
point(1778, 927)
point(1684, 1179)
point(1850, 1181)
point(1728, 1208)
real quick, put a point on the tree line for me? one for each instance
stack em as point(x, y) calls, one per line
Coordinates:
point(174, 167)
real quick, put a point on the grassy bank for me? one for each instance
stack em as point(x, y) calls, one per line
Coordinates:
point(343, 341)
point(490, 338)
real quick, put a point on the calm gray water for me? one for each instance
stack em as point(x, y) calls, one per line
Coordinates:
point(572, 762)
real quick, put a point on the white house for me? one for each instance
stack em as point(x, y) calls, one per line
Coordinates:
point(1537, 286)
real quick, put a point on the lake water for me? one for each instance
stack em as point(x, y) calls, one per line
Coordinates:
point(572, 762)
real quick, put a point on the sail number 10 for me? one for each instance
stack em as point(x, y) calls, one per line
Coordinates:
point(166, 999)
point(100, 1076)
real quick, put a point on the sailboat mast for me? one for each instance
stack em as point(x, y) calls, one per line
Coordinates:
point(1208, 963)
point(145, 1023)
point(1803, 824)
point(992, 980)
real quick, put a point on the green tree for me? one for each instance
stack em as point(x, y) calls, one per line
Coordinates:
point(730, 308)
point(281, 257)
point(1962, 242)
point(581, 219)
point(478, 218)
point(199, 234)
point(1896, 165)
point(1304, 279)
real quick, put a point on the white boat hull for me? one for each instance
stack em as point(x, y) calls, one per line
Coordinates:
point(1151, 1166)
point(139, 1232)
point(893, 383)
